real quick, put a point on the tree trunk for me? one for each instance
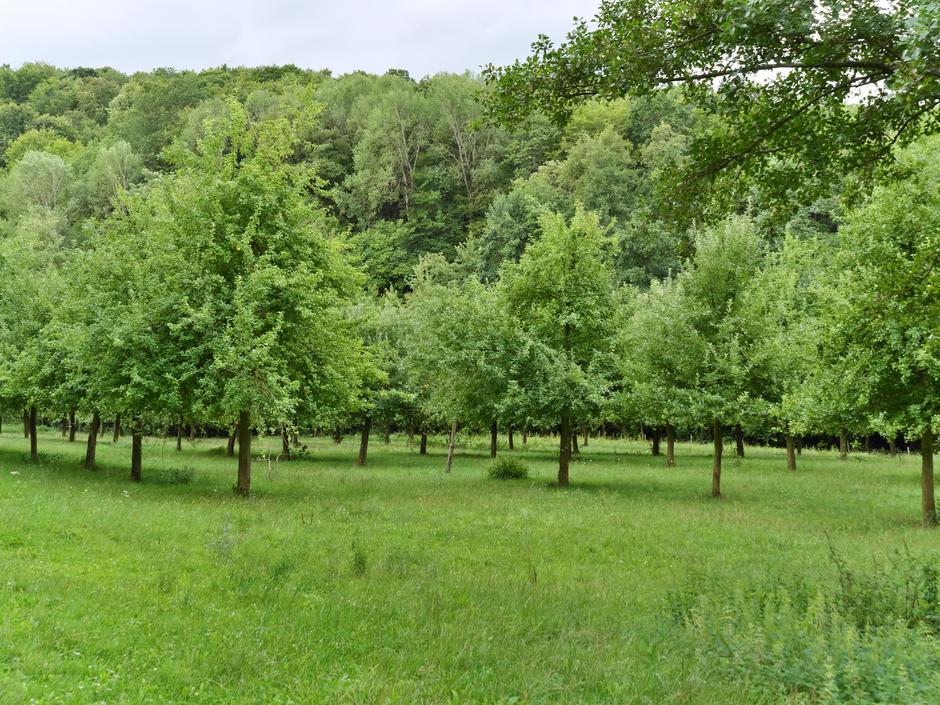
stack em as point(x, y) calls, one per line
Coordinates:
point(26, 423)
point(926, 477)
point(739, 440)
point(364, 441)
point(117, 429)
point(453, 444)
point(525, 437)
point(136, 452)
point(65, 426)
point(655, 436)
point(285, 443)
point(575, 450)
point(92, 447)
point(867, 443)
point(893, 446)
point(337, 436)
point(564, 449)
point(423, 448)
point(179, 436)
point(670, 446)
point(510, 439)
point(72, 426)
point(192, 433)
point(791, 452)
point(232, 437)
point(716, 462)
point(799, 445)
point(494, 439)
point(33, 441)
point(411, 436)
point(843, 445)
point(101, 429)
point(244, 454)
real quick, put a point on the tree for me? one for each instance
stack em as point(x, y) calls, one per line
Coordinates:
point(781, 75)
point(561, 300)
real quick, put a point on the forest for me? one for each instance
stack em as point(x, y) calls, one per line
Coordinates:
point(593, 251)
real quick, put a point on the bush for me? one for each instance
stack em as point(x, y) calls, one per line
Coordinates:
point(507, 469)
point(866, 638)
point(178, 476)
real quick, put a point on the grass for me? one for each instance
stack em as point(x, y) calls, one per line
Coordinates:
point(396, 583)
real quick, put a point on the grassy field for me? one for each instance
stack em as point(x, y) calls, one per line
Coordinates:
point(396, 583)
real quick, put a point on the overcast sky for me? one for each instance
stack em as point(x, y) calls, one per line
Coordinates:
point(422, 36)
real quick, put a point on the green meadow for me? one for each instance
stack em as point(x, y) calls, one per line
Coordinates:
point(398, 583)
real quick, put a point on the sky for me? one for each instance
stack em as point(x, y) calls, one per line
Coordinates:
point(422, 36)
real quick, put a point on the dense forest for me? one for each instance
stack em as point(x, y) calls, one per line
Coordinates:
point(273, 250)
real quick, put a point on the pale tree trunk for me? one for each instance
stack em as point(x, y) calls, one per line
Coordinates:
point(525, 437)
point(670, 446)
point(893, 447)
point(244, 454)
point(843, 445)
point(101, 430)
point(739, 440)
point(364, 441)
point(453, 444)
point(92, 447)
point(791, 452)
point(926, 478)
point(564, 449)
point(494, 439)
point(136, 452)
point(716, 461)
point(285, 443)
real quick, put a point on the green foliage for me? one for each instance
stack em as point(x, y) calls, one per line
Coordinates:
point(507, 468)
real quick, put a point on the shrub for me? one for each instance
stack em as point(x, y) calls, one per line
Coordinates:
point(507, 469)
point(866, 638)
point(178, 476)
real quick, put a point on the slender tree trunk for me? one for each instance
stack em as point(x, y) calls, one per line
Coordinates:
point(244, 454)
point(423, 447)
point(364, 440)
point(26, 423)
point(564, 448)
point(65, 426)
point(136, 451)
point(285, 443)
point(510, 439)
point(575, 450)
point(101, 430)
point(92, 447)
point(670, 446)
point(656, 437)
point(893, 446)
point(525, 437)
point(33, 441)
point(843, 445)
point(232, 437)
point(868, 443)
point(117, 429)
point(192, 433)
point(587, 435)
point(72, 426)
point(337, 436)
point(739, 440)
point(179, 436)
point(494, 439)
point(926, 477)
point(411, 436)
point(452, 446)
point(799, 445)
point(791, 452)
point(716, 462)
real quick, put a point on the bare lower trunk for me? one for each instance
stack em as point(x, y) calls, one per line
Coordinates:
point(739, 440)
point(101, 430)
point(26, 424)
point(564, 449)
point(494, 439)
point(509, 439)
point(525, 437)
point(716, 461)
point(453, 444)
point(364, 441)
point(575, 450)
point(136, 453)
point(285, 444)
point(72, 426)
point(65, 426)
point(423, 447)
point(192, 433)
point(655, 438)
point(117, 429)
point(843, 445)
point(179, 436)
point(92, 447)
point(232, 437)
point(892, 447)
point(670, 446)
point(337, 436)
point(926, 478)
point(791, 452)
point(411, 436)
point(33, 441)
point(244, 454)
point(587, 436)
